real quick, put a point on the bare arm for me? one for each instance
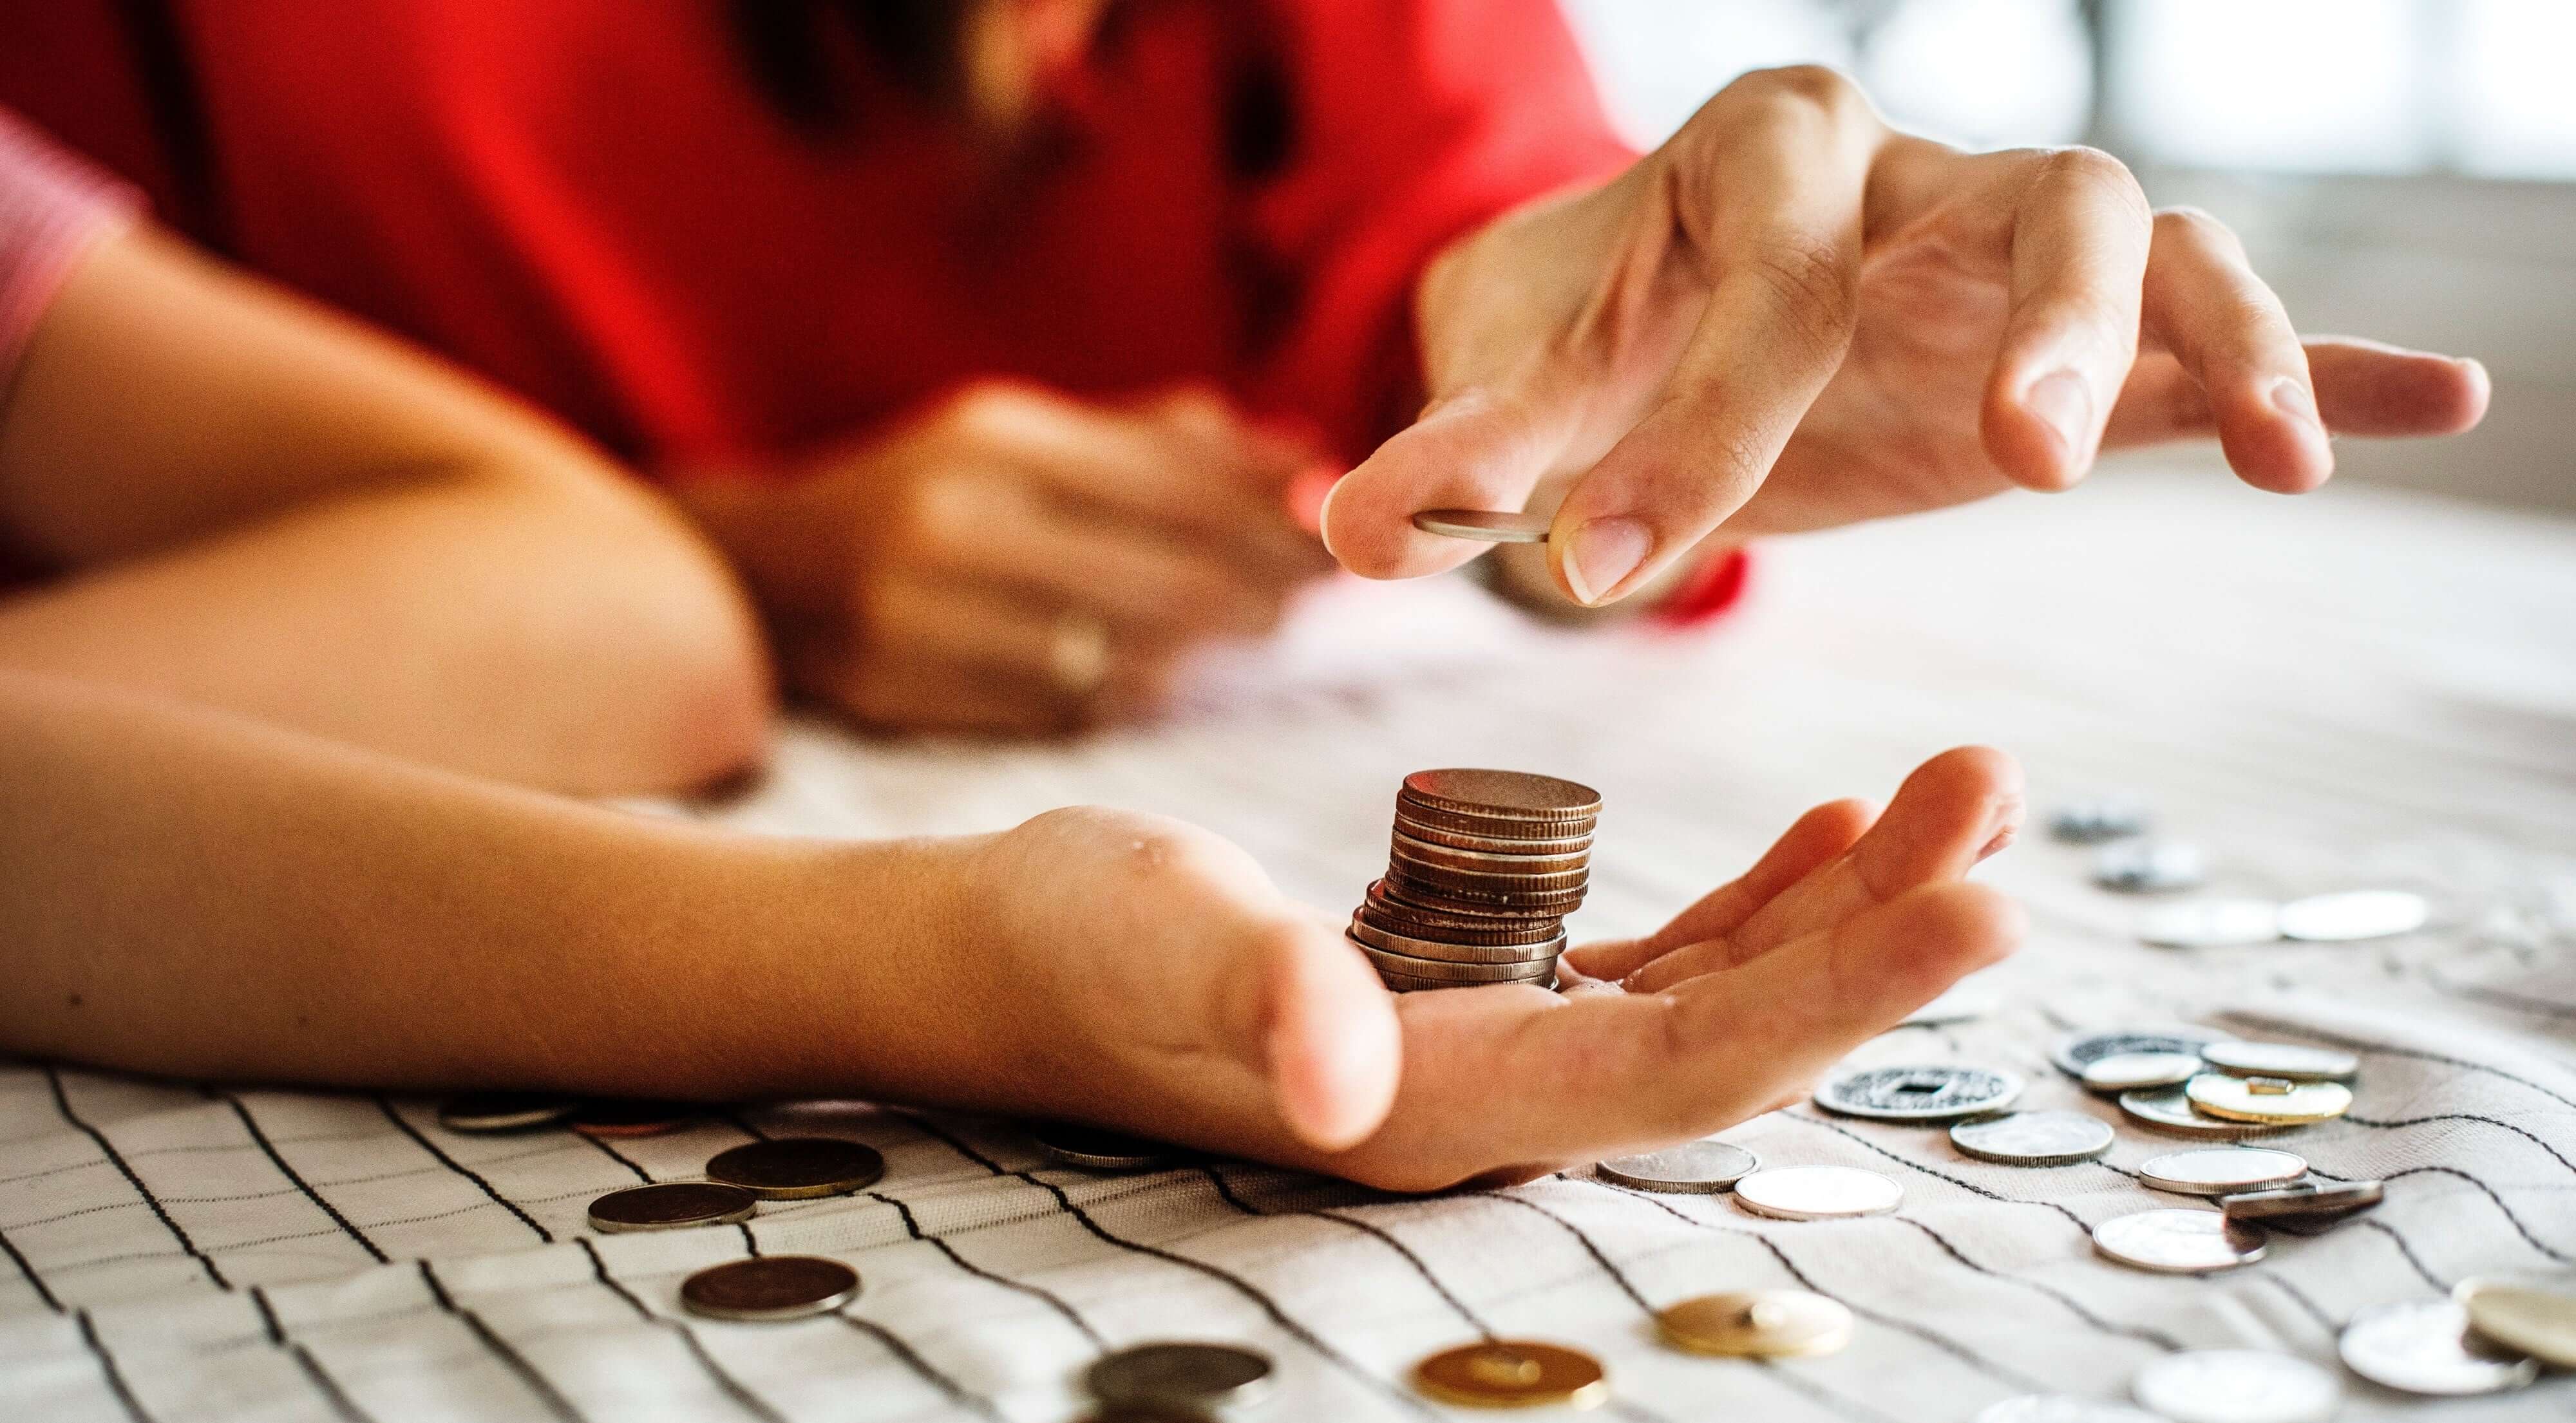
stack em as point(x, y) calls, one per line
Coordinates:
point(260, 506)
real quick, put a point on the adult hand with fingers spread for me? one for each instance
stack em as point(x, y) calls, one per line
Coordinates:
point(1790, 316)
point(1016, 561)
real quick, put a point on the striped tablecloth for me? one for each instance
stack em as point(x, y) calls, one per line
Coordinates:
point(2351, 689)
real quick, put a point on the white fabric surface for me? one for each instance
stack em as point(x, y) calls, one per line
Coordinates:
point(2352, 689)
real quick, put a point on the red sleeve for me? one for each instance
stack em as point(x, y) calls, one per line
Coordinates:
point(1415, 121)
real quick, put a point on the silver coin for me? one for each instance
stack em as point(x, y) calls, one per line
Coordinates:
point(1817, 1192)
point(1095, 1149)
point(1939, 1092)
point(2538, 1322)
point(2424, 1346)
point(2076, 1051)
point(768, 1288)
point(2128, 1071)
point(2306, 1200)
point(1407, 983)
point(2168, 1110)
point(1959, 1004)
point(2178, 1242)
point(483, 1113)
point(2221, 1170)
point(2033, 1138)
point(2211, 924)
point(1450, 971)
point(1692, 1168)
point(2237, 1386)
point(1493, 526)
point(671, 1205)
point(1185, 1374)
point(2061, 1408)
point(2150, 867)
point(2290, 1060)
point(2361, 914)
point(2090, 822)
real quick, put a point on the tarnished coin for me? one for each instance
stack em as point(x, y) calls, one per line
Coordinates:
point(2129, 1071)
point(1491, 862)
point(1692, 1168)
point(1385, 911)
point(1519, 796)
point(1758, 1324)
point(2272, 1101)
point(1183, 1373)
point(2076, 1051)
point(1939, 1092)
point(2178, 1242)
point(2361, 914)
point(2211, 924)
point(2150, 867)
point(1493, 526)
point(1817, 1192)
point(2061, 1408)
point(621, 1117)
point(1096, 1149)
point(2541, 1323)
point(792, 1168)
point(1413, 829)
point(2090, 822)
point(2290, 1060)
point(2221, 1170)
point(2306, 1200)
point(1455, 899)
point(2425, 1346)
point(1543, 977)
point(670, 1205)
point(1450, 971)
point(1505, 888)
point(770, 1287)
point(2236, 1386)
point(2033, 1138)
point(1369, 936)
point(483, 1113)
point(2167, 1110)
point(1513, 1373)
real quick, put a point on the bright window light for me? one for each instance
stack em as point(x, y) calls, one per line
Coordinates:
point(2296, 85)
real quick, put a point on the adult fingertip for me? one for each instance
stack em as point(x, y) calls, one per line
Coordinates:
point(2477, 389)
point(2026, 431)
point(1600, 557)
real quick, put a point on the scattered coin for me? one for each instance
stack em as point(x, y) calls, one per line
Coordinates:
point(2236, 1386)
point(1692, 1168)
point(2425, 1346)
point(623, 1117)
point(2361, 914)
point(2033, 1138)
point(2306, 1200)
point(2061, 1408)
point(1817, 1192)
point(482, 1113)
point(2090, 822)
point(791, 1168)
point(2128, 1071)
point(2076, 1051)
point(1094, 1149)
point(1493, 526)
point(2221, 1170)
point(1185, 1374)
point(770, 1287)
point(1960, 1004)
point(670, 1205)
point(2167, 1110)
point(2178, 1242)
point(2211, 924)
point(1758, 1324)
point(1936, 1093)
point(2289, 1060)
point(2150, 867)
point(2541, 1323)
point(1513, 1373)
point(2273, 1101)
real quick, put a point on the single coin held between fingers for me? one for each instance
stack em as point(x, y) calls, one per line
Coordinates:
point(1493, 526)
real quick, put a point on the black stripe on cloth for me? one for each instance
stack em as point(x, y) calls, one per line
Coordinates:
point(2407, 1250)
point(1935, 1172)
point(957, 1393)
point(251, 1125)
point(1225, 1190)
point(2392, 1050)
point(1040, 1293)
point(44, 1291)
point(338, 1399)
point(2074, 1306)
point(621, 1158)
point(1831, 1403)
point(107, 1368)
point(2391, 1123)
point(734, 1389)
point(451, 1163)
point(63, 1104)
point(2300, 1298)
point(2534, 1241)
point(546, 1393)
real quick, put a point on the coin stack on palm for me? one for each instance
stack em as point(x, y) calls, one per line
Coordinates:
point(1484, 868)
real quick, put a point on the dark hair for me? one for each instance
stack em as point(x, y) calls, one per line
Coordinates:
point(800, 52)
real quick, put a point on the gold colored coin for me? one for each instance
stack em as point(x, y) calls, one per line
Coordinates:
point(1758, 1324)
point(2273, 1102)
point(1513, 1373)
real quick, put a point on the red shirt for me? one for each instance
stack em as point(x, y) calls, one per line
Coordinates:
point(591, 202)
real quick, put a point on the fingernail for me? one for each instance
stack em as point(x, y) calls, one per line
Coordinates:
point(2290, 396)
point(1601, 553)
point(2002, 838)
point(2065, 402)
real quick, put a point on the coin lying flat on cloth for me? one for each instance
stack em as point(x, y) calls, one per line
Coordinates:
point(791, 1168)
point(1692, 1168)
point(1817, 1192)
point(2211, 924)
point(2091, 822)
point(1513, 1373)
point(2167, 1110)
point(620, 1118)
point(2129, 1071)
point(2033, 1138)
point(2307, 1200)
point(2272, 1101)
point(1939, 1092)
point(2236, 1386)
point(2076, 1051)
point(2424, 1346)
point(1185, 1374)
point(2150, 867)
point(2541, 1323)
point(1757, 1324)
point(2178, 1242)
point(769, 1288)
point(671, 1205)
point(2360, 914)
point(2221, 1170)
point(487, 1112)
point(2292, 1061)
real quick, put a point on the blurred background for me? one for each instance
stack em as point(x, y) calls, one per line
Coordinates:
point(2401, 167)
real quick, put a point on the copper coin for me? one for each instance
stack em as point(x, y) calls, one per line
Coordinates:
point(1389, 912)
point(1179, 1373)
point(770, 1287)
point(1506, 862)
point(1406, 889)
point(670, 1205)
point(1443, 971)
point(1507, 888)
point(623, 1117)
point(2306, 1200)
point(1513, 1373)
point(1507, 795)
point(483, 1113)
point(1407, 983)
point(1411, 828)
point(791, 1168)
point(1368, 935)
point(1758, 1324)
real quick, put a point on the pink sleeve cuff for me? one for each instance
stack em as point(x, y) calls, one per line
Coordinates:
point(53, 208)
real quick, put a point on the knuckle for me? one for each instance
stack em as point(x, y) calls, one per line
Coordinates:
point(2198, 227)
point(2092, 170)
point(1815, 291)
point(1812, 85)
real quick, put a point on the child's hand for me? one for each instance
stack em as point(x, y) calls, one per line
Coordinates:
point(1146, 975)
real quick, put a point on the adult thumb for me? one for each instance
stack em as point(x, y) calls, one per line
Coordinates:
point(1477, 449)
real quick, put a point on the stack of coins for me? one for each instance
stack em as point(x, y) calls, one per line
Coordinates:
point(1484, 868)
